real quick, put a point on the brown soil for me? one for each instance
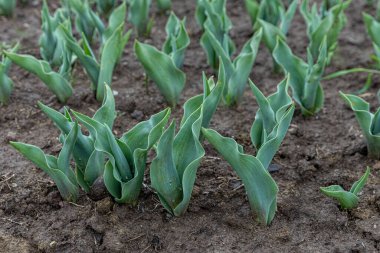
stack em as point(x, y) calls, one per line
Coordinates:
point(318, 151)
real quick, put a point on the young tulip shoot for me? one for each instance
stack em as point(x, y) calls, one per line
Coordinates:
point(305, 78)
point(272, 12)
point(329, 23)
point(85, 22)
point(212, 16)
point(161, 68)
point(347, 199)
point(177, 39)
point(173, 170)
point(6, 84)
point(52, 47)
point(368, 122)
point(270, 126)
point(58, 168)
point(99, 73)
point(278, 29)
point(138, 15)
point(89, 161)
point(236, 72)
point(373, 29)
point(57, 82)
point(124, 170)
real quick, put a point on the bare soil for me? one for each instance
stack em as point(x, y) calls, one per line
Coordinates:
point(317, 151)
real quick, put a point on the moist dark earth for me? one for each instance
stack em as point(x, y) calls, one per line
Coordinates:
point(318, 151)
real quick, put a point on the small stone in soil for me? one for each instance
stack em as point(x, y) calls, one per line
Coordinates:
point(104, 206)
point(98, 190)
point(274, 167)
point(138, 115)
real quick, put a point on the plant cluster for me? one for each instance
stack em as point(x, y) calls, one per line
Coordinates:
point(92, 153)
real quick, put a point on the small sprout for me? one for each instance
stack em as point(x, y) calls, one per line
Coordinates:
point(173, 170)
point(347, 199)
point(58, 169)
point(373, 29)
point(89, 161)
point(305, 78)
point(269, 128)
point(212, 15)
point(163, 67)
point(7, 7)
point(235, 73)
point(6, 84)
point(369, 122)
point(51, 42)
point(57, 82)
point(138, 15)
point(329, 23)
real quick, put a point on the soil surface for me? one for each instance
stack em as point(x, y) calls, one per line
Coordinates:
point(317, 151)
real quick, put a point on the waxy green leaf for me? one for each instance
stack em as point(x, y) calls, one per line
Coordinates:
point(177, 39)
point(56, 82)
point(236, 72)
point(212, 15)
point(268, 131)
point(369, 123)
point(58, 169)
point(326, 25)
point(89, 162)
point(7, 7)
point(6, 84)
point(138, 15)
point(347, 199)
point(305, 78)
point(161, 68)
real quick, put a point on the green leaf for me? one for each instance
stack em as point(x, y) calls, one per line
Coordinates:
point(64, 157)
point(209, 101)
point(213, 16)
point(6, 84)
point(7, 7)
point(135, 145)
point(260, 187)
point(111, 53)
point(271, 122)
point(161, 69)
point(177, 39)
point(54, 81)
point(164, 5)
point(67, 189)
point(173, 170)
point(347, 199)
point(138, 15)
point(305, 79)
point(87, 60)
point(163, 173)
point(358, 185)
point(367, 123)
point(106, 113)
point(236, 72)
